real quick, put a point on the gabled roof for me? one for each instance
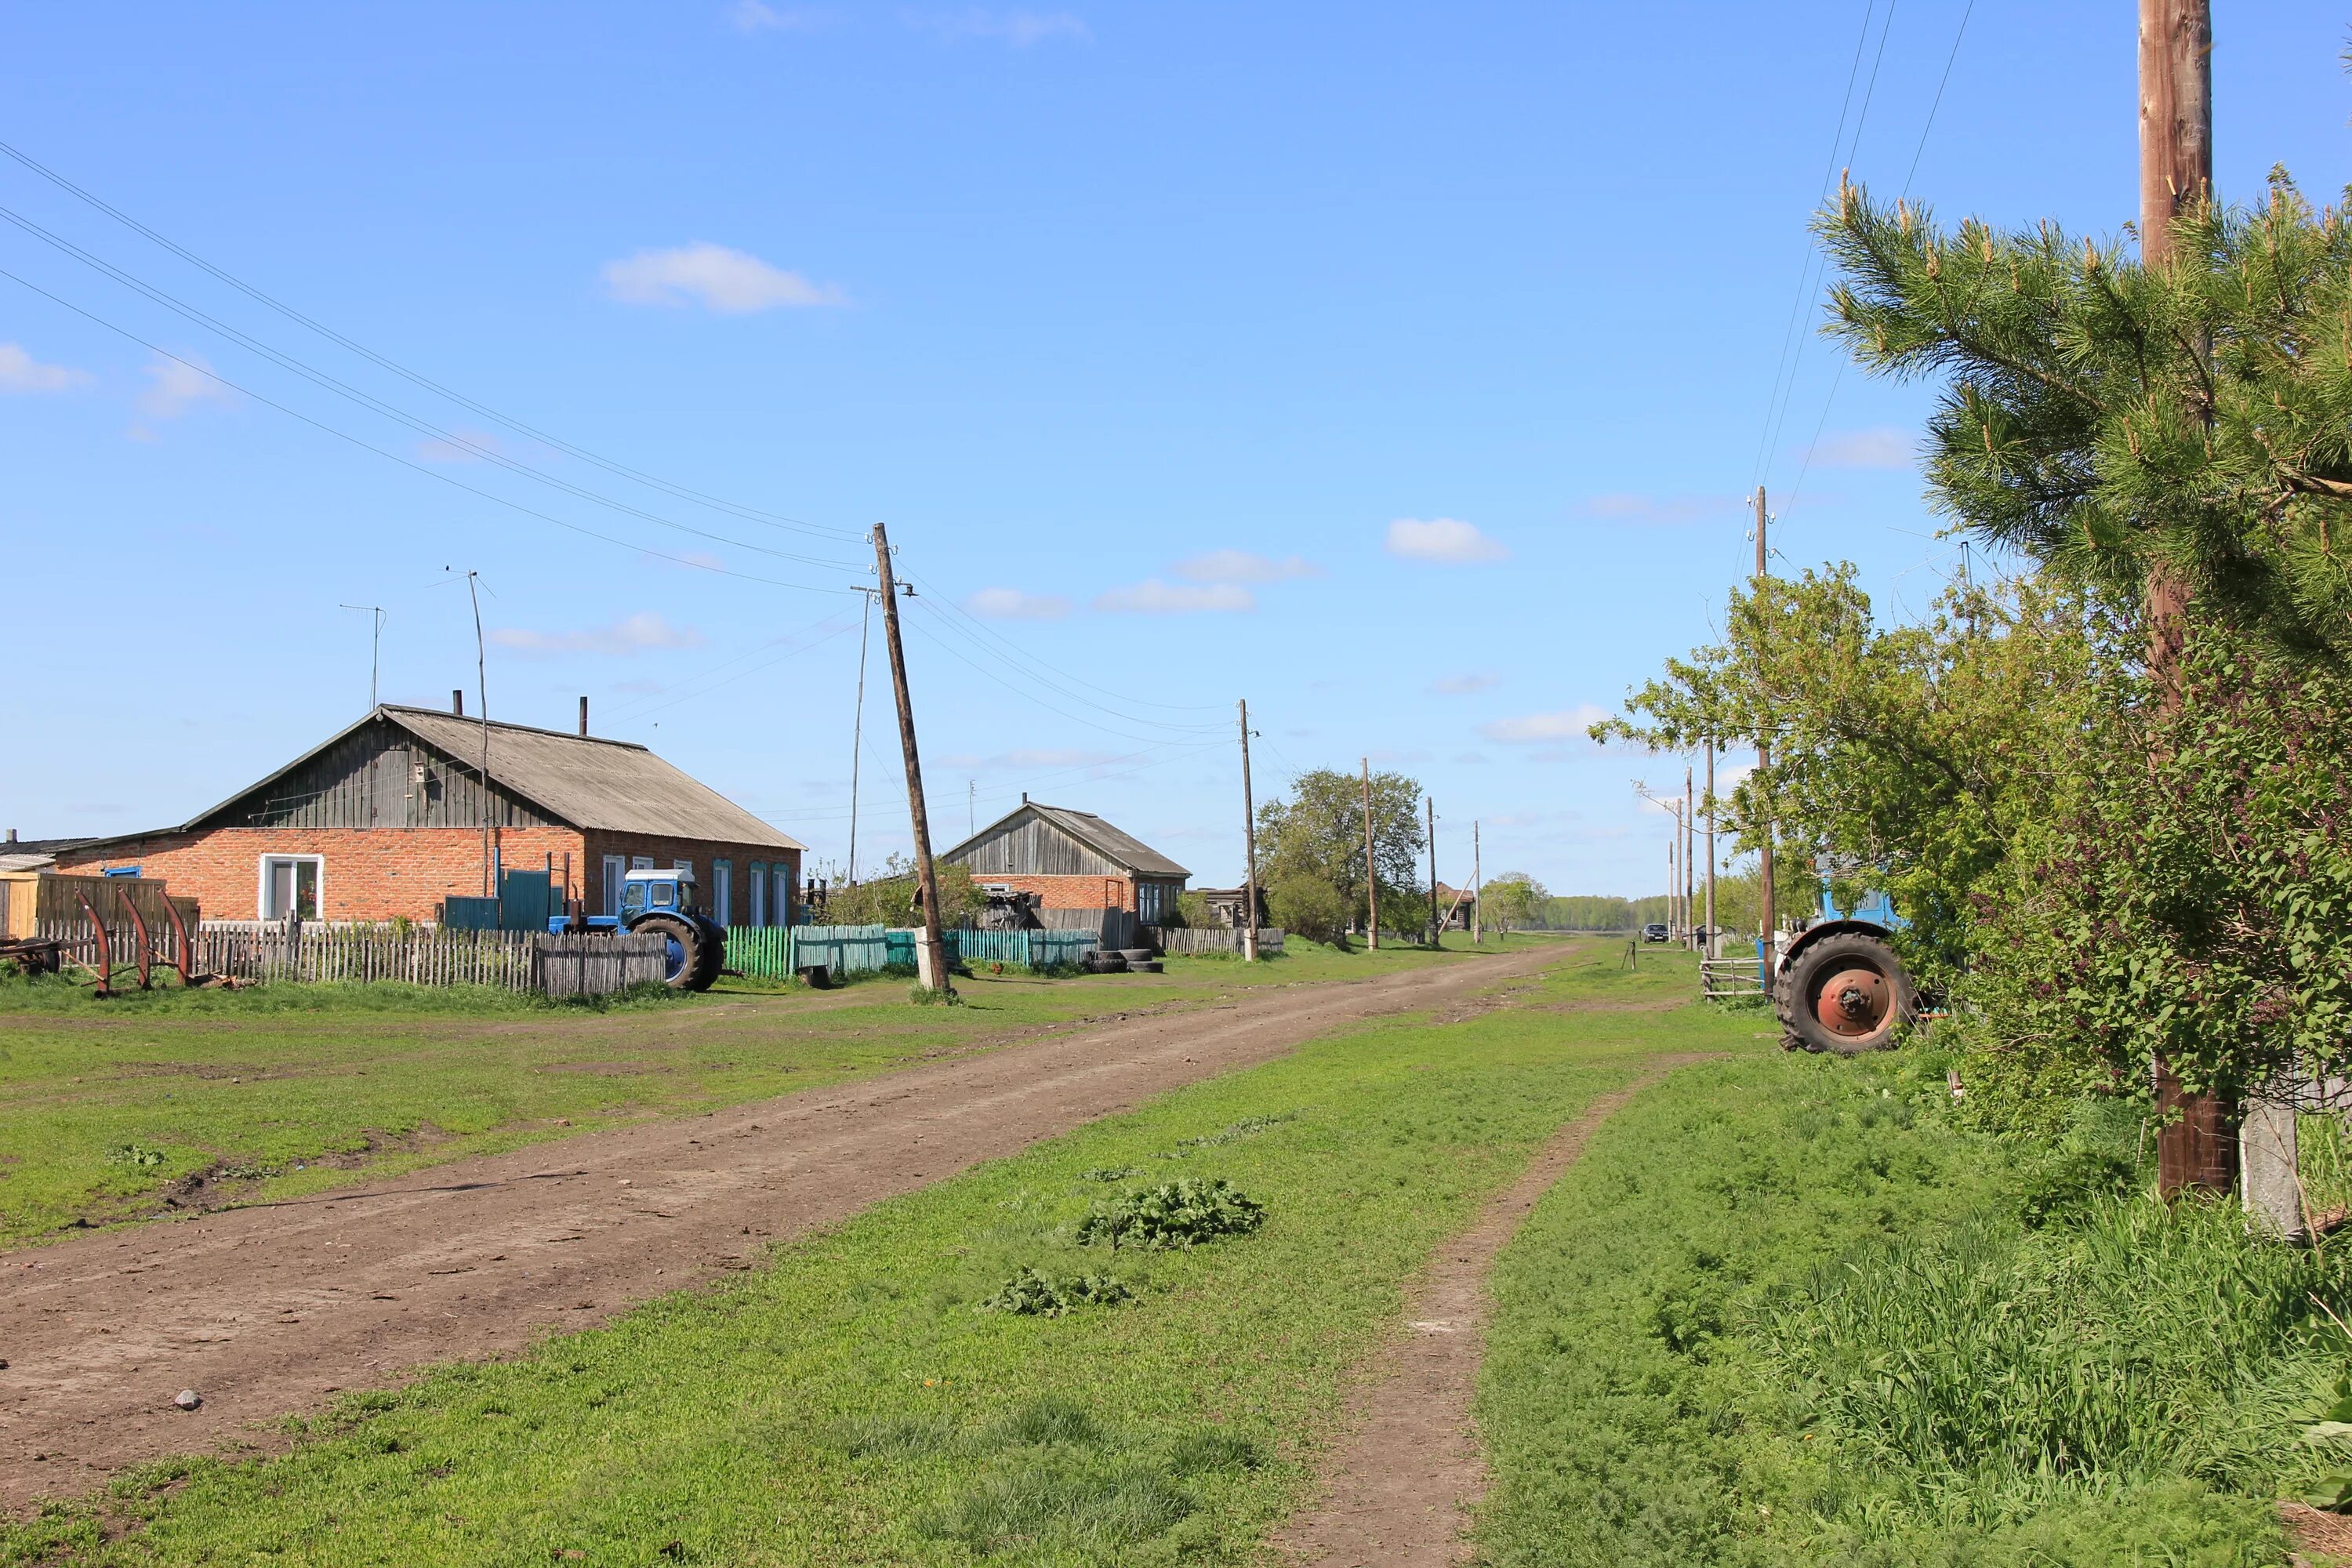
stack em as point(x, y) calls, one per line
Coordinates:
point(1122, 849)
point(614, 785)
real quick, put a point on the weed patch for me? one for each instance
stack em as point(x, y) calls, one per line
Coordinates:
point(1185, 1213)
point(1031, 1294)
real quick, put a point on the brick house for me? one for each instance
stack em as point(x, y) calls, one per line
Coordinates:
point(387, 818)
point(1072, 861)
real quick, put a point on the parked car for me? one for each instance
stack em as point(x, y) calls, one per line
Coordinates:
point(1656, 932)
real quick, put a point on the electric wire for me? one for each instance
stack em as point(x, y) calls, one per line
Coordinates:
point(1026, 693)
point(327, 382)
point(934, 606)
point(979, 625)
point(683, 492)
point(365, 445)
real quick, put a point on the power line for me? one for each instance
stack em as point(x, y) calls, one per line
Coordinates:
point(681, 491)
point(1021, 653)
point(1044, 674)
point(488, 454)
point(364, 445)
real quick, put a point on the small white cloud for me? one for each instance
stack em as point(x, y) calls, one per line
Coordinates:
point(20, 372)
point(176, 386)
point(1019, 28)
point(1464, 685)
point(1444, 539)
point(1885, 447)
point(465, 445)
point(1012, 604)
point(750, 16)
point(1626, 506)
point(1154, 597)
point(731, 283)
point(1244, 566)
point(1564, 724)
point(640, 632)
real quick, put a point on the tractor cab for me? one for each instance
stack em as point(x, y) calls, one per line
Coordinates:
point(665, 892)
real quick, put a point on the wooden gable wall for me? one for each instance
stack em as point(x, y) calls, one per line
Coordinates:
point(379, 776)
point(1033, 847)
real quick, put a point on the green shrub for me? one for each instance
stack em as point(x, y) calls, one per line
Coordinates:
point(1030, 1294)
point(1183, 1213)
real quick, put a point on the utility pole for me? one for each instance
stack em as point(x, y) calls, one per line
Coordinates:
point(1436, 919)
point(1478, 889)
point(2197, 1138)
point(858, 730)
point(375, 649)
point(1371, 867)
point(482, 693)
point(1768, 916)
point(1710, 949)
point(1249, 847)
point(971, 806)
point(1690, 873)
point(931, 950)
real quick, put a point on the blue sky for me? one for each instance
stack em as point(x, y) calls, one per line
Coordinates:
point(1399, 368)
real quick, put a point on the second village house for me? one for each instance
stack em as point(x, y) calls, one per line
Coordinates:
point(387, 818)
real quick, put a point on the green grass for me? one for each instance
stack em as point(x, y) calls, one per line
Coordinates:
point(853, 1404)
point(282, 1091)
point(1785, 1312)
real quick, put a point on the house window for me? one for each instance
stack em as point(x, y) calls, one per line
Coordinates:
point(1150, 902)
point(289, 886)
point(780, 900)
point(758, 881)
point(722, 891)
point(615, 872)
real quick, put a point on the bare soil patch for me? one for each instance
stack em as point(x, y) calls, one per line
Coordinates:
point(269, 1311)
point(1396, 1491)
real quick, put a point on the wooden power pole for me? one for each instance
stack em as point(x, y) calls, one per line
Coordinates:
point(1768, 916)
point(1690, 871)
point(931, 950)
point(1249, 843)
point(1478, 889)
point(1371, 867)
point(1707, 942)
point(1436, 919)
point(2197, 1140)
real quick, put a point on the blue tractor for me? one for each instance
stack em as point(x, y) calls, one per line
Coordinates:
point(1839, 987)
point(662, 903)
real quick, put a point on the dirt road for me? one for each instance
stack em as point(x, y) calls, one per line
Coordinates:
point(269, 1310)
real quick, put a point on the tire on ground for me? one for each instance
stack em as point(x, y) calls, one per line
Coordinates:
point(1845, 995)
point(693, 941)
point(712, 955)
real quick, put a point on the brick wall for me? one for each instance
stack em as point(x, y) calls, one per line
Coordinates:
point(1069, 892)
point(378, 874)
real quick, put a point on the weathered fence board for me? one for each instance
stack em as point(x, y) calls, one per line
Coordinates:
point(1030, 949)
point(1209, 939)
point(589, 965)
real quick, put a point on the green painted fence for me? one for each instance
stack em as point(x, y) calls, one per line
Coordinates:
point(777, 953)
point(1030, 949)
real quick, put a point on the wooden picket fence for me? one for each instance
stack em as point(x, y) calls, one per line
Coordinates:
point(777, 953)
point(315, 952)
point(1029, 949)
point(1210, 938)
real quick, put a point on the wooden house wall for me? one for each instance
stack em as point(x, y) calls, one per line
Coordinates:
point(1033, 847)
point(371, 779)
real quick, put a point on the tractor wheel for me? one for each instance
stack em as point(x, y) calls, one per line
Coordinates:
point(712, 956)
point(1845, 995)
point(689, 947)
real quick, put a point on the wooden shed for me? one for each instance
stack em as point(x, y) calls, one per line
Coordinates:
point(1072, 860)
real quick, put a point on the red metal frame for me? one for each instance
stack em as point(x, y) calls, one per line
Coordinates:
point(105, 947)
point(138, 924)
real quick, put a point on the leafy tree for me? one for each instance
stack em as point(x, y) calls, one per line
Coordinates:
point(893, 898)
point(2114, 421)
point(1309, 906)
point(1513, 899)
point(1318, 832)
point(1904, 756)
point(2193, 896)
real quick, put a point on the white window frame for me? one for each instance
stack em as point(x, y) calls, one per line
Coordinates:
point(261, 884)
point(617, 869)
point(722, 891)
point(756, 879)
point(781, 898)
point(641, 862)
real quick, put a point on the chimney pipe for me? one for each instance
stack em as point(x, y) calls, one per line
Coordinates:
point(12, 835)
point(583, 718)
point(458, 701)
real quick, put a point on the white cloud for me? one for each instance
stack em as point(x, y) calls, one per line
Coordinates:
point(177, 385)
point(20, 372)
point(1154, 597)
point(731, 283)
point(1885, 447)
point(1624, 506)
point(1244, 566)
point(751, 17)
point(473, 446)
point(1464, 685)
point(1443, 539)
point(1012, 604)
point(630, 634)
point(1564, 724)
point(1019, 28)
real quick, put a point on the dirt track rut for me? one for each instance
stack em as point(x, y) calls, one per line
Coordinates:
point(271, 1310)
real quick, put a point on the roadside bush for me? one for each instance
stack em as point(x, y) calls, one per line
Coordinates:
point(1309, 906)
point(1183, 1213)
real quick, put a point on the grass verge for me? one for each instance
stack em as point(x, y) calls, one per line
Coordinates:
point(1784, 1311)
point(122, 1109)
point(858, 1402)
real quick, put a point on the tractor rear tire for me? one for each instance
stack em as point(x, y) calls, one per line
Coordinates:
point(1844, 995)
point(697, 953)
point(711, 956)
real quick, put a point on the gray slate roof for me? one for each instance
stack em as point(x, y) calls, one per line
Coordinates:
point(1121, 848)
point(617, 786)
